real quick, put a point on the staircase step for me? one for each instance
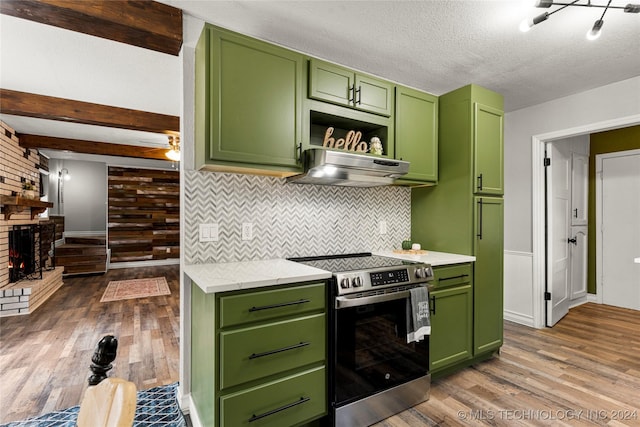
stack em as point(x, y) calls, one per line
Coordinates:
point(86, 240)
point(79, 260)
point(84, 269)
point(78, 249)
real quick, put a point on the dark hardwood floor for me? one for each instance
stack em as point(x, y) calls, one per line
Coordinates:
point(584, 371)
point(45, 356)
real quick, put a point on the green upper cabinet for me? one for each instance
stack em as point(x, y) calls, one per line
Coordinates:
point(488, 149)
point(342, 86)
point(416, 126)
point(248, 104)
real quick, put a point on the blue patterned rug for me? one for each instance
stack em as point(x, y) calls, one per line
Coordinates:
point(157, 406)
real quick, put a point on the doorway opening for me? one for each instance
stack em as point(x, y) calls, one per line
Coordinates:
point(539, 223)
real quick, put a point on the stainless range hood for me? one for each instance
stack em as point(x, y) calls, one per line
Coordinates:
point(329, 167)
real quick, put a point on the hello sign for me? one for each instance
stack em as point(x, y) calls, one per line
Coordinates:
point(351, 141)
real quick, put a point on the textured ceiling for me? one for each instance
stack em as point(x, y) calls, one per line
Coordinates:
point(435, 46)
point(439, 46)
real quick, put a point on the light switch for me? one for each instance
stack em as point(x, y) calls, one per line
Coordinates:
point(247, 231)
point(208, 232)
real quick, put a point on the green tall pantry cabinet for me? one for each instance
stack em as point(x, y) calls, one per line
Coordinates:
point(464, 212)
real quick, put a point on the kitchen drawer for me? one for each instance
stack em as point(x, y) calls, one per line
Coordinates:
point(271, 304)
point(285, 402)
point(452, 275)
point(257, 352)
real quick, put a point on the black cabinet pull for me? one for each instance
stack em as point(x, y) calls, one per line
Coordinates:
point(480, 182)
point(574, 241)
point(479, 235)
point(359, 92)
point(299, 152)
point(433, 305)
point(453, 277)
point(280, 409)
point(352, 94)
point(280, 350)
point(575, 215)
point(283, 304)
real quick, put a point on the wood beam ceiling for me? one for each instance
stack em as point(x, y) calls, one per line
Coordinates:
point(68, 110)
point(143, 23)
point(91, 147)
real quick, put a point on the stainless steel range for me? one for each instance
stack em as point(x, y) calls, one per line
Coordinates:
point(374, 372)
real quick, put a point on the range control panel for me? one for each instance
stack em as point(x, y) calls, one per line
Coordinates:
point(367, 280)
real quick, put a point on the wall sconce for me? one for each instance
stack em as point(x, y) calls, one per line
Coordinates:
point(63, 175)
point(174, 151)
point(594, 32)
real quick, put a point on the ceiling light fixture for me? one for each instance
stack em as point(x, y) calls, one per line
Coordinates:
point(594, 32)
point(174, 152)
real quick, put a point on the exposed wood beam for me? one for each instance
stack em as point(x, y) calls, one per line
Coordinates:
point(91, 147)
point(68, 110)
point(142, 23)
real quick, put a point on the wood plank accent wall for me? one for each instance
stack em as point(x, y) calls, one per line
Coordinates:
point(143, 214)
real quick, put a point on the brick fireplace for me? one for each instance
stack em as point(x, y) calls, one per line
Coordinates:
point(20, 168)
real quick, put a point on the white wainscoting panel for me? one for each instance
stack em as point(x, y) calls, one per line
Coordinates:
point(518, 287)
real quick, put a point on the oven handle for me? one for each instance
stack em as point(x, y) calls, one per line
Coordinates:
point(345, 302)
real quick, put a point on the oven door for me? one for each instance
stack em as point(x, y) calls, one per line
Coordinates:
point(371, 349)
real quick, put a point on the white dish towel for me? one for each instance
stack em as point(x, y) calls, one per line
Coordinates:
point(418, 321)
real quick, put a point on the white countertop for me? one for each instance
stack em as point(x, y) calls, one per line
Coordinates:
point(431, 257)
point(232, 276)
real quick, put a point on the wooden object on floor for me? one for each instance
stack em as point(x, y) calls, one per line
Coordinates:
point(105, 353)
point(41, 353)
point(112, 403)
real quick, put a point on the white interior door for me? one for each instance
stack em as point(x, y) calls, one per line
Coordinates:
point(558, 220)
point(620, 229)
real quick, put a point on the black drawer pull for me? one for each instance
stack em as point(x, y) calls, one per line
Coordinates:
point(433, 306)
point(280, 350)
point(453, 277)
point(280, 409)
point(284, 304)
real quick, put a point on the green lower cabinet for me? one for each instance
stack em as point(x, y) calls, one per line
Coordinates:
point(289, 401)
point(451, 326)
point(258, 357)
point(257, 352)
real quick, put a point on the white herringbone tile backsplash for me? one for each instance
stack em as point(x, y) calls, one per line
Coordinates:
point(289, 219)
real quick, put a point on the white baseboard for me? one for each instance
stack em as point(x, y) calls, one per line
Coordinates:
point(84, 233)
point(593, 298)
point(193, 412)
point(519, 318)
point(152, 263)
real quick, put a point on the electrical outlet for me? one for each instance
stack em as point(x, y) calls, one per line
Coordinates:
point(382, 227)
point(208, 232)
point(247, 231)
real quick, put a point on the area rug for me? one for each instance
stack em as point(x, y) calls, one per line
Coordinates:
point(135, 288)
point(156, 407)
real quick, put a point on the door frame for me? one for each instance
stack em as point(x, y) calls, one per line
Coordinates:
point(598, 219)
point(538, 221)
